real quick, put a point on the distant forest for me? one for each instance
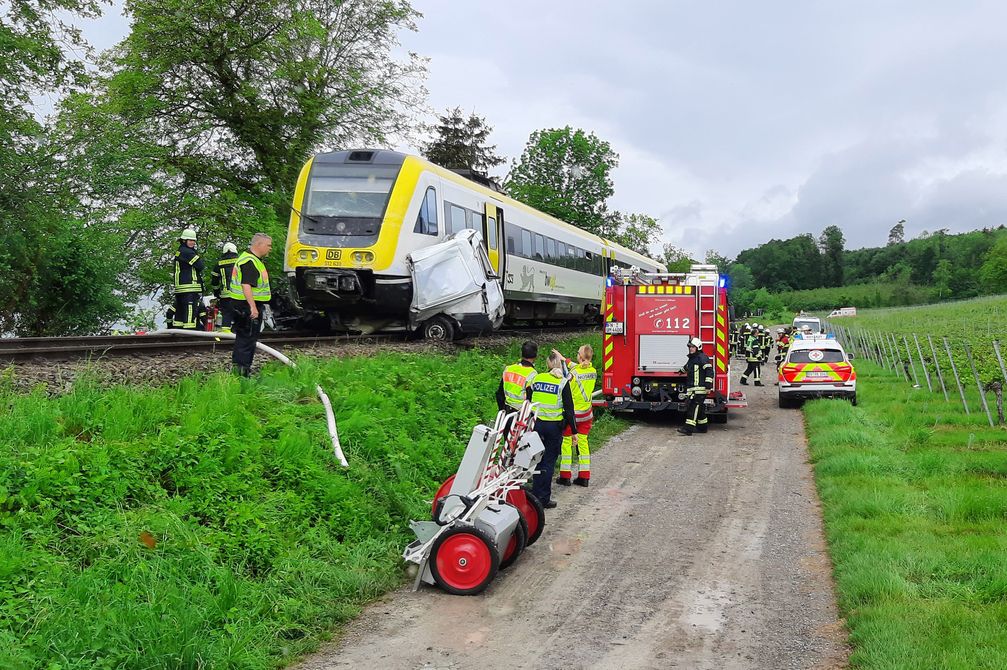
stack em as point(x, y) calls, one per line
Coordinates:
point(805, 273)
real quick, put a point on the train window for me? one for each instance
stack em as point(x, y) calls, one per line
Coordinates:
point(571, 257)
point(512, 247)
point(456, 218)
point(527, 250)
point(474, 221)
point(560, 254)
point(539, 247)
point(426, 221)
point(550, 249)
point(491, 232)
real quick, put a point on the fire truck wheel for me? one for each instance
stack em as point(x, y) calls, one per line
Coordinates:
point(853, 400)
point(441, 492)
point(464, 560)
point(517, 544)
point(717, 417)
point(439, 328)
point(786, 403)
point(531, 510)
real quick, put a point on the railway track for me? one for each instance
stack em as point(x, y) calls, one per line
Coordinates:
point(102, 346)
point(27, 349)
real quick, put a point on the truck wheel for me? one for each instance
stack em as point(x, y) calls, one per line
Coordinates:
point(785, 403)
point(516, 545)
point(439, 329)
point(853, 400)
point(464, 560)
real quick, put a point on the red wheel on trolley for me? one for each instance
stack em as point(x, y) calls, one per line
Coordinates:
point(441, 492)
point(516, 545)
point(532, 511)
point(464, 560)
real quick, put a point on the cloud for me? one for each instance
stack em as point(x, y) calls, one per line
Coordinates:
point(737, 122)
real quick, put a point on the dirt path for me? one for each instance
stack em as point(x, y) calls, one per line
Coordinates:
point(701, 552)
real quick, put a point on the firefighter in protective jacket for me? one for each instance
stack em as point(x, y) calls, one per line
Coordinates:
point(699, 380)
point(187, 282)
point(582, 380)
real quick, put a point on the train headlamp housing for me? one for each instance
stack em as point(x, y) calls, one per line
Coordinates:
point(363, 256)
point(307, 255)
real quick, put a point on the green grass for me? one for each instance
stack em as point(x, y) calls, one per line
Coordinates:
point(262, 544)
point(975, 322)
point(915, 510)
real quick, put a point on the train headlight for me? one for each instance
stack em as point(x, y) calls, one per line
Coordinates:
point(307, 255)
point(363, 256)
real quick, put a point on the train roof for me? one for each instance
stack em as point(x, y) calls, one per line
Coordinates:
point(397, 158)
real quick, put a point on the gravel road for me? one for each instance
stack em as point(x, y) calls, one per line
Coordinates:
point(698, 552)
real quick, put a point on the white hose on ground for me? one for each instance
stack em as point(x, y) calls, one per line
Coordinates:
point(330, 417)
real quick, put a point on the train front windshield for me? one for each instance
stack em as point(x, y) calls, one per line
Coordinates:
point(346, 201)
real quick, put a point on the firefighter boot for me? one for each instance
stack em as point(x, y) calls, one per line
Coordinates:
point(580, 481)
point(701, 429)
point(685, 430)
point(758, 383)
point(744, 382)
point(563, 481)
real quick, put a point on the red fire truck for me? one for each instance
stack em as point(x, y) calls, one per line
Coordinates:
point(649, 319)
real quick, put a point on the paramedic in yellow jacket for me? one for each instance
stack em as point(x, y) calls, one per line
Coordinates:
point(582, 380)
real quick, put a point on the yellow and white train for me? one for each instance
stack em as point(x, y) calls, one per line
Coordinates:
point(357, 215)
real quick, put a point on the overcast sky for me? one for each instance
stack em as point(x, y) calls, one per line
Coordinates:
point(737, 122)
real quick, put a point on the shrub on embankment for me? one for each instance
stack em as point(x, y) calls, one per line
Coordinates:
point(208, 524)
point(915, 505)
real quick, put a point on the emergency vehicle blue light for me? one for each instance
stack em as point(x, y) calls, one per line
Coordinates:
point(725, 281)
point(609, 281)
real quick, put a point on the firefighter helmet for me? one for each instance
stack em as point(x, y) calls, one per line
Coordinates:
point(188, 234)
point(696, 342)
point(230, 248)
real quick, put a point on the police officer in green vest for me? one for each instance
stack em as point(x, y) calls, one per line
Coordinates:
point(516, 377)
point(249, 289)
point(551, 392)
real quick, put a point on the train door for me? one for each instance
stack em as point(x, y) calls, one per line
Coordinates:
point(492, 235)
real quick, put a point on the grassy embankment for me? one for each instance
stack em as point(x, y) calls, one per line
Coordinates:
point(208, 524)
point(914, 494)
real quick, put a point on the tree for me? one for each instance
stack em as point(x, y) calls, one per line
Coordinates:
point(897, 235)
point(633, 231)
point(942, 279)
point(994, 269)
point(205, 113)
point(566, 173)
point(713, 257)
point(831, 243)
point(57, 275)
point(676, 259)
point(460, 143)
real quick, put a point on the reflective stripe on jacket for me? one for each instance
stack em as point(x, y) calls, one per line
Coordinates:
point(516, 378)
point(260, 292)
point(582, 380)
point(188, 268)
point(547, 391)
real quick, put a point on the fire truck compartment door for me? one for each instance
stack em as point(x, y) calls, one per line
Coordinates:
point(663, 353)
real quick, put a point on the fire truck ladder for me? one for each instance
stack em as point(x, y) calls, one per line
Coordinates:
point(708, 313)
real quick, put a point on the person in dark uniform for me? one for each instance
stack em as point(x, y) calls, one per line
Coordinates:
point(551, 391)
point(699, 377)
point(219, 280)
point(187, 282)
point(249, 289)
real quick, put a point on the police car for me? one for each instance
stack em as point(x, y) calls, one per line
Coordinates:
point(816, 366)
